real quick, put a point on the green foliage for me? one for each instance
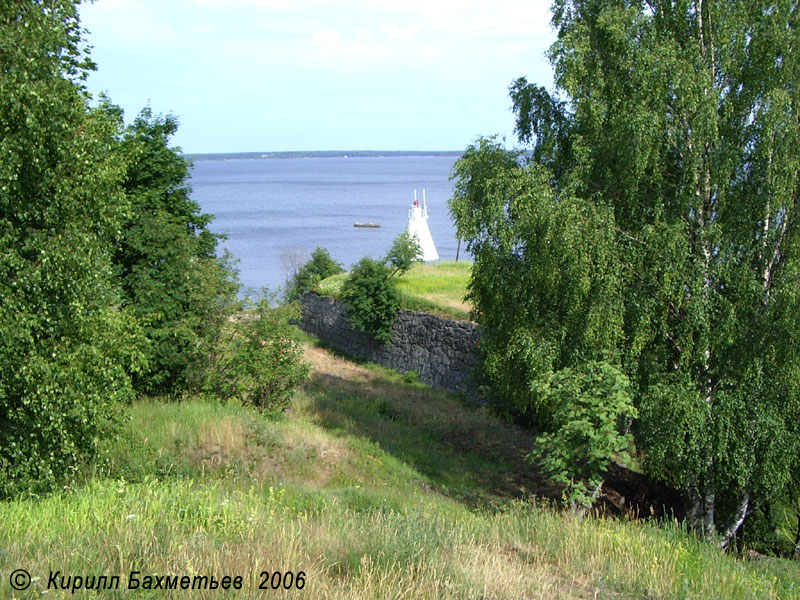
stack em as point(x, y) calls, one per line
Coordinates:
point(172, 280)
point(66, 347)
point(588, 410)
point(371, 298)
point(410, 377)
point(543, 121)
point(405, 251)
point(545, 281)
point(674, 127)
point(311, 273)
point(108, 273)
point(437, 289)
point(258, 359)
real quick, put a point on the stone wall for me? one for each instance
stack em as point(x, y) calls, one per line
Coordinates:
point(444, 353)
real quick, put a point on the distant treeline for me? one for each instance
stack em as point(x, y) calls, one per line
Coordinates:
point(321, 154)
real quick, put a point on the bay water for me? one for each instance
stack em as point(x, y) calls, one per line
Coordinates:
point(275, 212)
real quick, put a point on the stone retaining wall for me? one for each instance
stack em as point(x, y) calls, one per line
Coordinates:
point(443, 353)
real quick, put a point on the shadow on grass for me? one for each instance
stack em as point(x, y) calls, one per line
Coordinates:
point(463, 452)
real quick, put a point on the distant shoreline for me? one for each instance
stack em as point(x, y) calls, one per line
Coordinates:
point(321, 154)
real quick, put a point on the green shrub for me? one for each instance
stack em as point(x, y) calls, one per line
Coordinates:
point(311, 273)
point(588, 409)
point(259, 359)
point(372, 299)
point(411, 377)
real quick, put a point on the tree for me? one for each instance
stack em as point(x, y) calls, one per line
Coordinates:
point(405, 251)
point(166, 258)
point(311, 273)
point(66, 346)
point(545, 278)
point(677, 121)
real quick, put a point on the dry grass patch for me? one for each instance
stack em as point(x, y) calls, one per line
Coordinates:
point(307, 456)
point(220, 441)
point(500, 572)
point(327, 365)
point(448, 301)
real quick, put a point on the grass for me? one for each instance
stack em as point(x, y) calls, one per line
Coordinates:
point(437, 288)
point(373, 486)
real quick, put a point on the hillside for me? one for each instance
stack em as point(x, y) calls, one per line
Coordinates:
point(373, 486)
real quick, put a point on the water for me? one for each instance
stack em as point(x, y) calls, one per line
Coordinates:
point(276, 211)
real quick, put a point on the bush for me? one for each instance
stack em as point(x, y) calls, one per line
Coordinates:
point(259, 359)
point(589, 409)
point(372, 299)
point(311, 273)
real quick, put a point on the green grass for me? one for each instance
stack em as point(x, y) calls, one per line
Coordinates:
point(374, 486)
point(438, 288)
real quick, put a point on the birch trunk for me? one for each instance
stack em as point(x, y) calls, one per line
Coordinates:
point(706, 210)
point(736, 522)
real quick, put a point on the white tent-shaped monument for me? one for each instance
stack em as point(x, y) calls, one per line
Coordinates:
point(418, 226)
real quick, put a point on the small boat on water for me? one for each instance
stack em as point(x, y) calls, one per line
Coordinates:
point(359, 224)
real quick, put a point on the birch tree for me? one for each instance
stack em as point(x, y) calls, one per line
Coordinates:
point(681, 119)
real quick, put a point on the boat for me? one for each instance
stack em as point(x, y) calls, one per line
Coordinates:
point(359, 224)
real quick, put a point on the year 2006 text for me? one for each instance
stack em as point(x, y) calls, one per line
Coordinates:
point(275, 580)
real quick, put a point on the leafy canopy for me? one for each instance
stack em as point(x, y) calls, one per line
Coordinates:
point(166, 259)
point(670, 150)
point(66, 346)
point(405, 251)
point(109, 279)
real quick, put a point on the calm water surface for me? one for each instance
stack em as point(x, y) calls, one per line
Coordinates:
point(275, 209)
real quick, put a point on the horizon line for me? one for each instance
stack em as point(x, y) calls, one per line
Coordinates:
point(325, 153)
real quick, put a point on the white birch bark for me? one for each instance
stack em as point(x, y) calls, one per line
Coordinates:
point(736, 522)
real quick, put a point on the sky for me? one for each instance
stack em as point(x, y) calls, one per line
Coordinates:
point(283, 75)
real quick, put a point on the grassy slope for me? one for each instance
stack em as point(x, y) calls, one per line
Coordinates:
point(438, 288)
point(374, 486)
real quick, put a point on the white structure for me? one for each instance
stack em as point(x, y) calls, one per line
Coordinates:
point(418, 226)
